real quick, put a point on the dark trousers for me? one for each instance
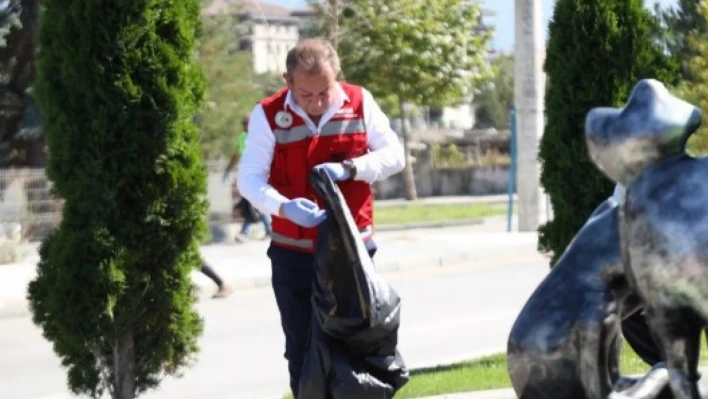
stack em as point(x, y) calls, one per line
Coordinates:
point(209, 272)
point(293, 276)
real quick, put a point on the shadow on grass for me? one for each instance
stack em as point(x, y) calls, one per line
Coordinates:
point(491, 361)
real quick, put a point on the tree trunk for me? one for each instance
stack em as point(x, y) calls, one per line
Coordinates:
point(334, 31)
point(334, 9)
point(124, 355)
point(408, 175)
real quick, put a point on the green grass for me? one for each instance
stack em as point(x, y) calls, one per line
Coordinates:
point(418, 213)
point(490, 372)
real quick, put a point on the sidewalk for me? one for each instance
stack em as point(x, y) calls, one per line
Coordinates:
point(497, 199)
point(246, 265)
point(447, 200)
point(223, 225)
point(508, 393)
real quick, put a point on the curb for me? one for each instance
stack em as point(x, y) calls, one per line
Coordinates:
point(436, 263)
point(430, 225)
point(490, 199)
point(220, 231)
point(14, 305)
point(456, 259)
point(502, 393)
point(18, 307)
point(509, 393)
point(398, 267)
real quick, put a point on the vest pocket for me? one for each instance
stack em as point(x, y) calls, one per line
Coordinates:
point(290, 167)
point(289, 177)
point(347, 147)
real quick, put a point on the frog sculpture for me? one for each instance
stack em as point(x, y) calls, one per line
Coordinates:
point(565, 343)
point(647, 254)
point(663, 223)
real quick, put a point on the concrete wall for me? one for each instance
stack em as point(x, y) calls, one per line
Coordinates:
point(25, 196)
point(219, 193)
point(429, 182)
point(448, 181)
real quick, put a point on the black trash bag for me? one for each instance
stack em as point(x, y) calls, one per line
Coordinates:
point(356, 314)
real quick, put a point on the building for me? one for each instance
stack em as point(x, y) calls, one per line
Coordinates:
point(272, 30)
point(462, 117)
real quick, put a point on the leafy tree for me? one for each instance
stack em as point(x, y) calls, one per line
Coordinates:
point(448, 156)
point(695, 90)
point(20, 133)
point(677, 24)
point(232, 86)
point(389, 105)
point(497, 96)
point(424, 53)
point(324, 26)
point(597, 51)
point(118, 86)
point(9, 19)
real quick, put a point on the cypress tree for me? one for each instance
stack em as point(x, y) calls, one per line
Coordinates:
point(118, 87)
point(678, 23)
point(597, 51)
point(695, 89)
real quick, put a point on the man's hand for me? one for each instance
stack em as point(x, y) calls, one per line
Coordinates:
point(302, 212)
point(335, 170)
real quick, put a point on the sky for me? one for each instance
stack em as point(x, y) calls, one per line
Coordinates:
point(503, 21)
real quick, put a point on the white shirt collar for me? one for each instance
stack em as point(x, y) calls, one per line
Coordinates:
point(340, 97)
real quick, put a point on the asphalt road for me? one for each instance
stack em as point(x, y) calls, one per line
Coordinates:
point(448, 314)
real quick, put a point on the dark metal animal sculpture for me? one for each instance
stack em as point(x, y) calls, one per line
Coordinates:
point(565, 343)
point(664, 221)
point(353, 348)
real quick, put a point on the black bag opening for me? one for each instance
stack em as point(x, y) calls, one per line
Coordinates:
point(356, 314)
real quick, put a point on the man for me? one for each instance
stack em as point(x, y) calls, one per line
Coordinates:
point(314, 122)
point(243, 206)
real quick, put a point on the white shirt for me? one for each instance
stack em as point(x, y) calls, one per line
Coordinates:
point(384, 159)
point(619, 194)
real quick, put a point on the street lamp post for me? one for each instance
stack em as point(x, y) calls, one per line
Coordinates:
point(529, 82)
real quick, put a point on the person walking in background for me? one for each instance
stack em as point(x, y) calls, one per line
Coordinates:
point(243, 207)
point(223, 289)
point(315, 122)
point(240, 145)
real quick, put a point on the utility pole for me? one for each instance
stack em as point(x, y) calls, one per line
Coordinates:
point(334, 32)
point(334, 35)
point(529, 88)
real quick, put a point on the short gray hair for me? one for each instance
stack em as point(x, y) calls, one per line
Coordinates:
point(312, 55)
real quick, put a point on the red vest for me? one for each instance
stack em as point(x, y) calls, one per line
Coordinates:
point(298, 150)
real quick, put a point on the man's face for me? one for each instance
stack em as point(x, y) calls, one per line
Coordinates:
point(313, 92)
